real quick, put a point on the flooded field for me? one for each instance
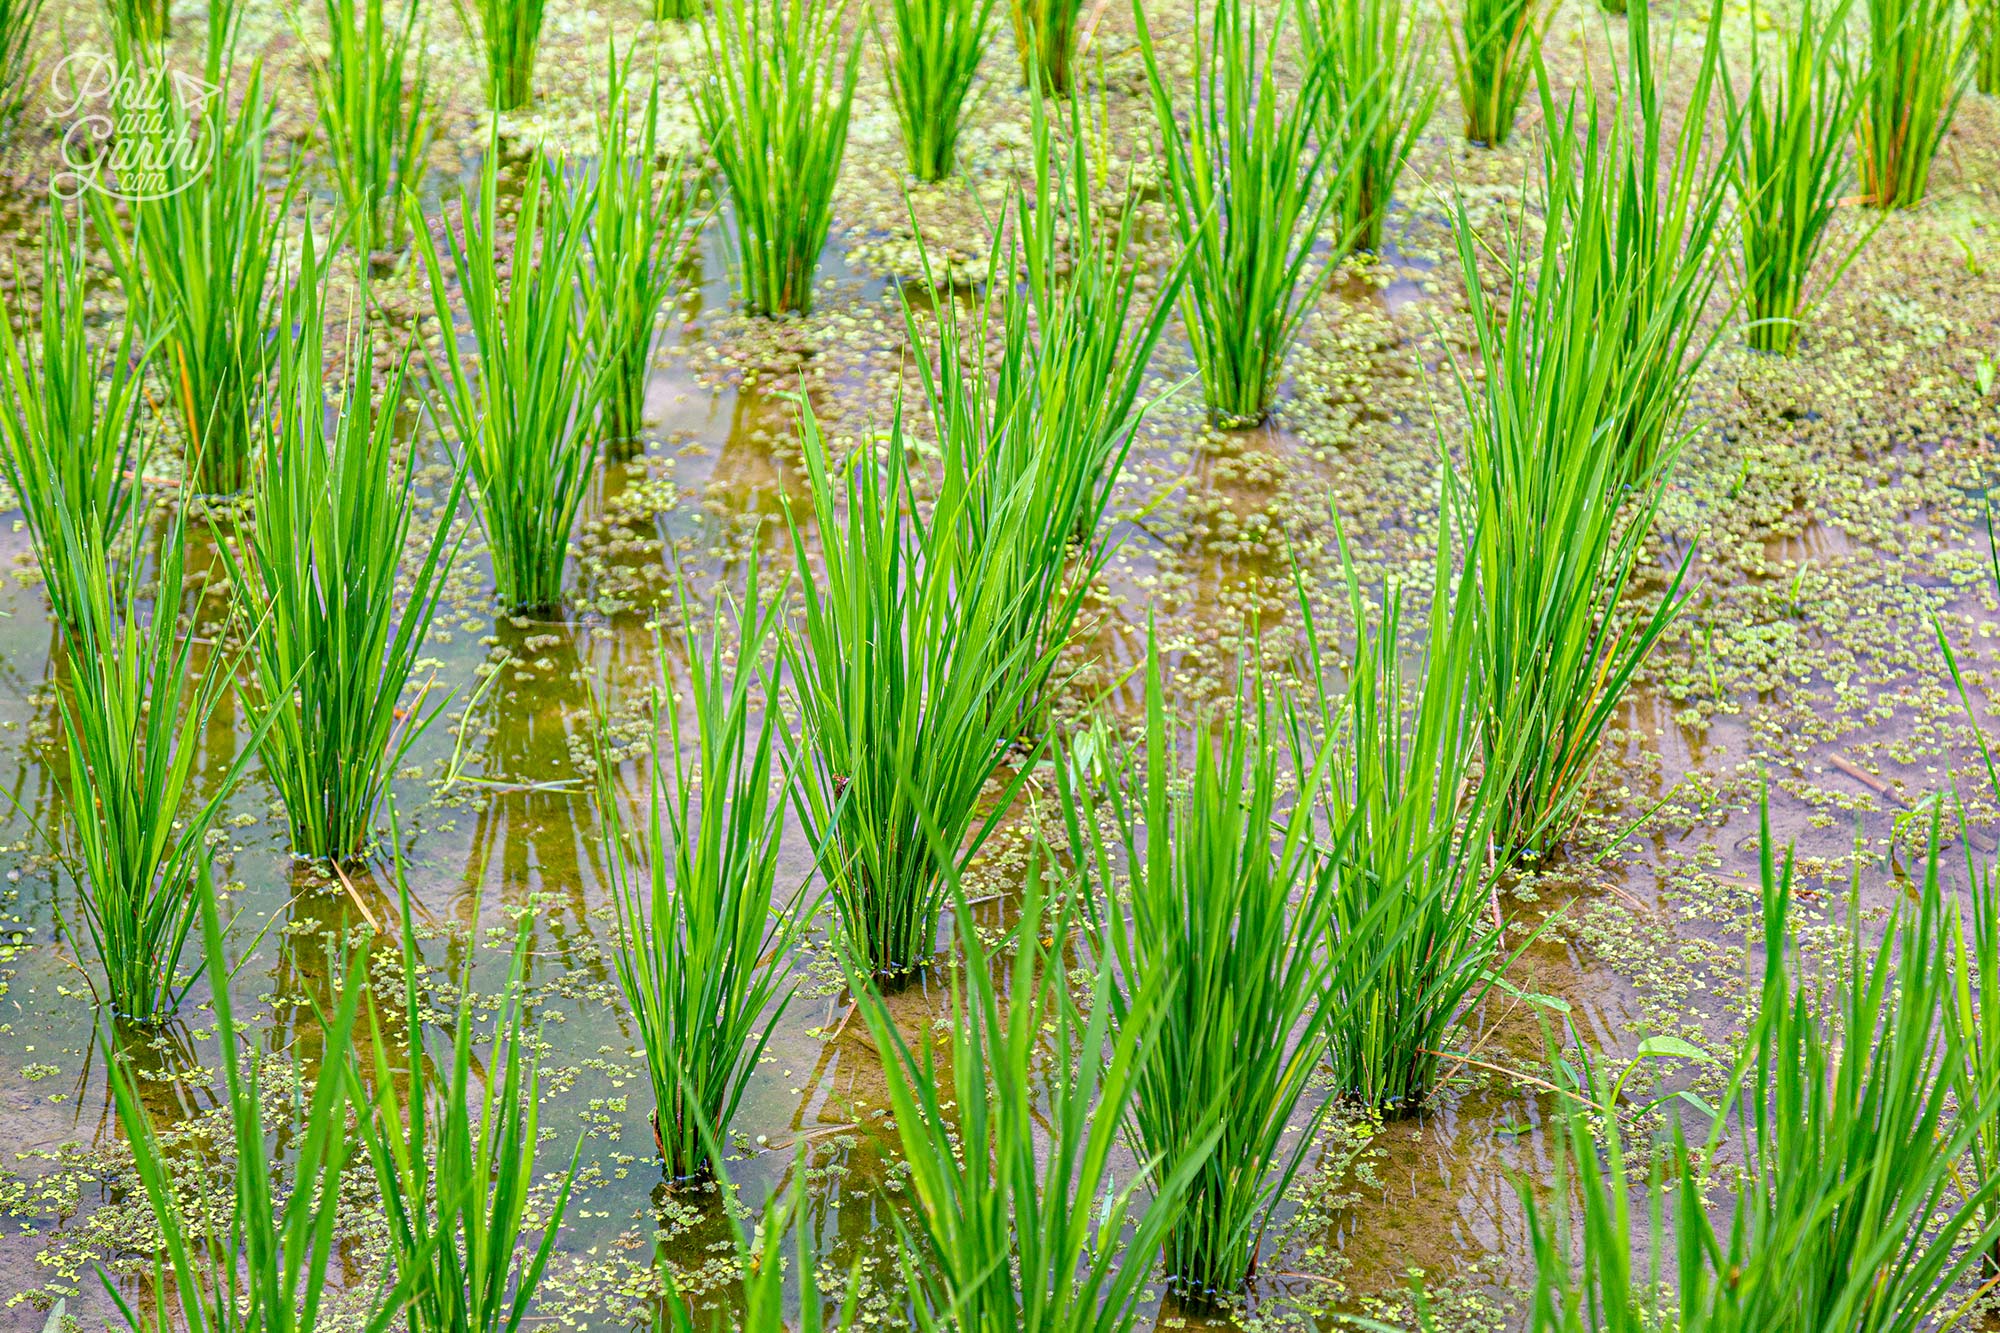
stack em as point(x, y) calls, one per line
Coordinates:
point(1828, 505)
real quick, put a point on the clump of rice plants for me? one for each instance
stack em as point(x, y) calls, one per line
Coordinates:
point(133, 720)
point(139, 25)
point(1552, 530)
point(17, 56)
point(68, 450)
point(1407, 824)
point(931, 66)
point(200, 262)
point(522, 420)
point(509, 32)
point(1852, 1211)
point(773, 107)
point(1031, 449)
point(1919, 65)
point(700, 952)
point(907, 681)
point(268, 1267)
point(336, 624)
point(1249, 192)
point(1228, 907)
point(1789, 167)
point(1380, 95)
point(639, 235)
point(375, 115)
point(1494, 52)
point(454, 1157)
point(1045, 33)
point(1663, 251)
point(1020, 1222)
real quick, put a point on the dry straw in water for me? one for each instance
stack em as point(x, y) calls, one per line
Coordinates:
point(773, 104)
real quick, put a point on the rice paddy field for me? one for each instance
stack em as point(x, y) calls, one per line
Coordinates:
point(1046, 666)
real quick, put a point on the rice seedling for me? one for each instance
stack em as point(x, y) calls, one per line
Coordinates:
point(906, 682)
point(1031, 450)
point(1019, 1222)
point(67, 450)
point(639, 237)
point(931, 67)
point(1664, 249)
point(1919, 66)
point(522, 422)
point(1494, 53)
point(337, 624)
point(510, 35)
point(455, 1177)
point(1413, 944)
point(1553, 531)
point(1850, 1212)
point(271, 1267)
point(139, 25)
point(1983, 31)
point(1379, 97)
point(1225, 903)
point(1045, 34)
point(1789, 167)
point(1249, 192)
point(666, 11)
point(700, 952)
point(200, 261)
point(375, 115)
point(133, 721)
point(773, 107)
point(17, 56)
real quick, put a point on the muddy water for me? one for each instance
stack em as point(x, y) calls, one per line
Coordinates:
point(1643, 937)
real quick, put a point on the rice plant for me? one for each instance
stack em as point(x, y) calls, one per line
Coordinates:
point(1249, 192)
point(1664, 248)
point(1919, 66)
point(640, 231)
point(454, 1158)
point(773, 107)
point(375, 115)
point(1045, 34)
point(1851, 1212)
point(200, 260)
point(931, 66)
point(1021, 1224)
point(272, 1266)
point(522, 418)
point(665, 11)
point(510, 35)
point(701, 952)
point(1983, 31)
point(1494, 52)
point(1553, 532)
point(1216, 893)
point(1032, 446)
point(337, 623)
point(1380, 96)
point(68, 451)
point(1789, 167)
point(906, 683)
point(139, 25)
point(133, 722)
point(17, 56)
point(1407, 821)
